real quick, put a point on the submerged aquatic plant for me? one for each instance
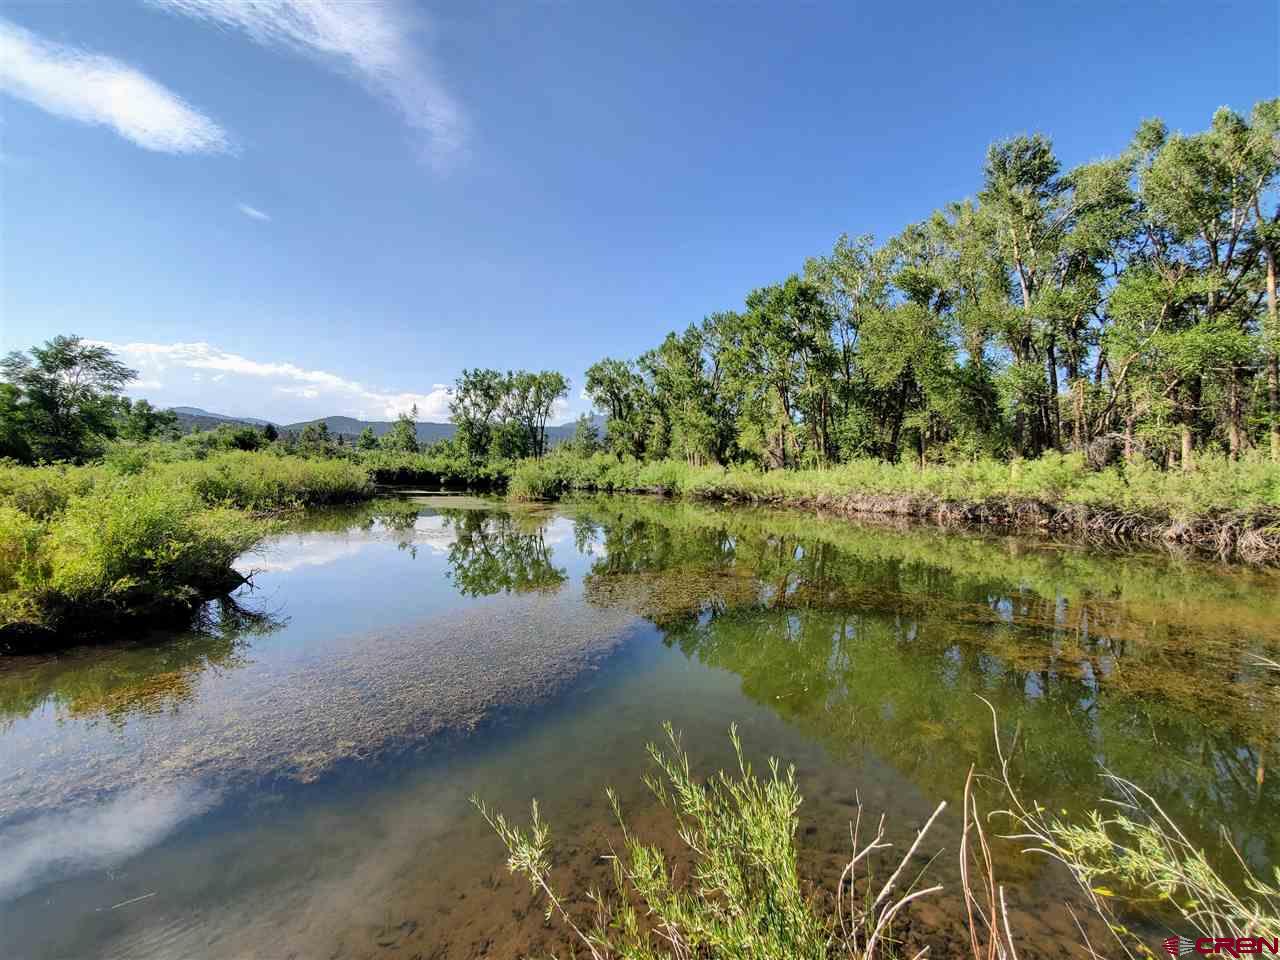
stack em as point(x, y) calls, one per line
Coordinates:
point(744, 897)
point(1134, 854)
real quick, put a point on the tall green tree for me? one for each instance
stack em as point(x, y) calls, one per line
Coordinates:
point(474, 409)
point(780, 360)
point(527, 403)
point(618, 391)
point(68, 396)
point(1206, 236)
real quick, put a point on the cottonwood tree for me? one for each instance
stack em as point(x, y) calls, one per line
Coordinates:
point(473, 408)
point(67, 397)
point(617, 390)
point(527, 403)
point(1206, 238)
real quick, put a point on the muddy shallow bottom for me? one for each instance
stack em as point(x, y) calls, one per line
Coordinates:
point(293, 778)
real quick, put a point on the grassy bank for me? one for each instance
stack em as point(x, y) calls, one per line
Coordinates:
point(1228, 508)
point(83, 547)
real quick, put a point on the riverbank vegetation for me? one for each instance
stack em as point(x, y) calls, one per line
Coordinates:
point(83, 546)
point(1230, 509)
point(1125, 308)
point(1050, 352)
point(744, 896)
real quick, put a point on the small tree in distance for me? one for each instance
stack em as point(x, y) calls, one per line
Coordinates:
point(403, 435)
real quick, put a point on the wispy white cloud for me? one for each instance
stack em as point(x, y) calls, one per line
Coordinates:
point(343, 395)
point(372, 41)
point(70, 82)
point(253, 213)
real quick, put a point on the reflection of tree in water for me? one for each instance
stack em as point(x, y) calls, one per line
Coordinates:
point(879, 650)
point(154, 675)
point(499, 552)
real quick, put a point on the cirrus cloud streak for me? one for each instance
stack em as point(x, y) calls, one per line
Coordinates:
point(70, 82)
point(371, 41)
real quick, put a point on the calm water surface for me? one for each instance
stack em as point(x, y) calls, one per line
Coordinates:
point(291, 777)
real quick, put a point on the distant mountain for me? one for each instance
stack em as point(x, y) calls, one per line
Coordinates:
point(191, 419)
point(351, 428)
point(428, 432)
point(196, 412)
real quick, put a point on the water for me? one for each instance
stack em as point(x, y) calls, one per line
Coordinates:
point(291, 777)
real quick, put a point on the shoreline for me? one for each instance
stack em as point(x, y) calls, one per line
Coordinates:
point(1252, 539)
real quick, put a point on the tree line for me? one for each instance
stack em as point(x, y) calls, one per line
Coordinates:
point(64, 401)
point(1124, 307)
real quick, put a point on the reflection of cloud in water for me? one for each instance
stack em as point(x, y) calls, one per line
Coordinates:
point(300, 550)
point(93, 836)
point(295, 552)
point(559, 530)
point(434, 533)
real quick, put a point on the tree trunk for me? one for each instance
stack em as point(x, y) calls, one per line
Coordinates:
point(1235, 415)
point(1191, 412)
point(1128, 433)
point(1273, 401)
point(1054, 422)
point(1272, 339)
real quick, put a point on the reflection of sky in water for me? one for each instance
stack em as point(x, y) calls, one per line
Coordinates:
point(290, 552)
point(95, 836)
point(293, 553)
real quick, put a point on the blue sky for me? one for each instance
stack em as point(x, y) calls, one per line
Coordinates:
point(296, 208)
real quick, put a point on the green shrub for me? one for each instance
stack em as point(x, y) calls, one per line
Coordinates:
point(433, 469)
point(23, 564)
point(535, 480)
point(266, 481)
point(747, 902)
point(42, 492)
point(140, 541)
